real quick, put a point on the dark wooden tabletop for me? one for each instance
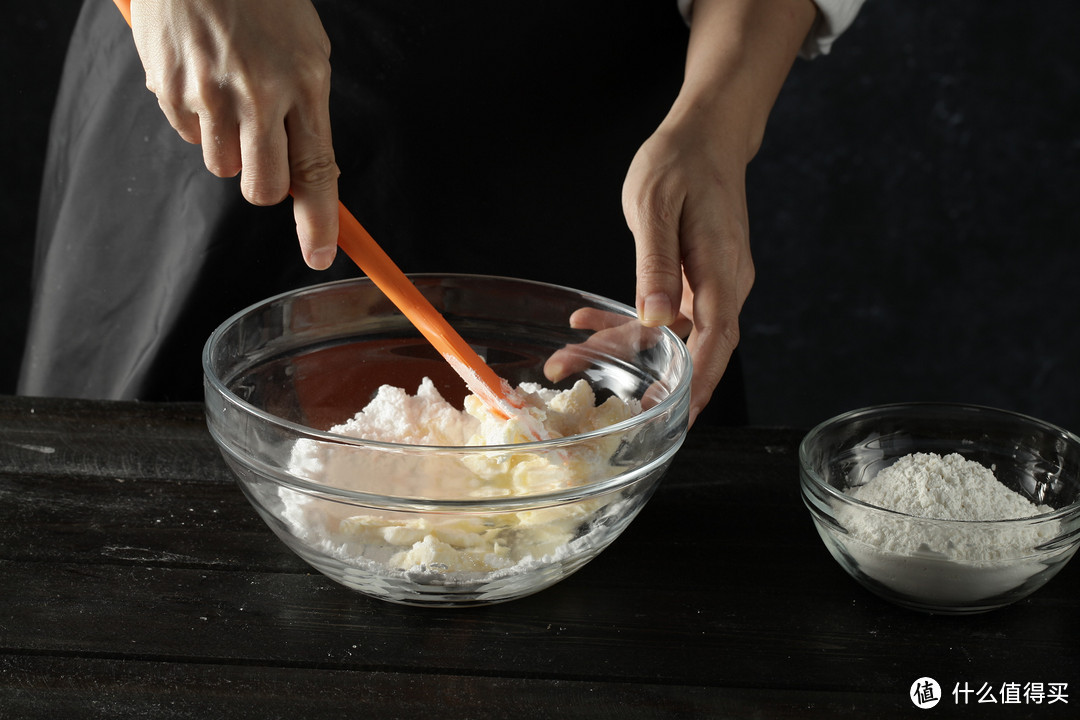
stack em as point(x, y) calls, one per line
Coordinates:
point(138, 582)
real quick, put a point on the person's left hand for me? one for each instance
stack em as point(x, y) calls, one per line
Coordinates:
point(685, 202)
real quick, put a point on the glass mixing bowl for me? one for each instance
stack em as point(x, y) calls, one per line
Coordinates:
point(934, 565)
point(411, 523)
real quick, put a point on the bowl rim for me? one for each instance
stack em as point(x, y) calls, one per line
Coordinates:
point(622, 426)
point(808, 474)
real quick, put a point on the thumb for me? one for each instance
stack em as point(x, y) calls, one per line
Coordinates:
point(654, 223)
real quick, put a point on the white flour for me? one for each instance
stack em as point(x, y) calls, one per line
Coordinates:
point(947, 488)
point(953, 562)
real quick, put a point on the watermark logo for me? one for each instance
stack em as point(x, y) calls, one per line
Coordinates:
point(925, 693)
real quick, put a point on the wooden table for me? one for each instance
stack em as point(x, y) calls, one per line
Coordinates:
point(138, 582)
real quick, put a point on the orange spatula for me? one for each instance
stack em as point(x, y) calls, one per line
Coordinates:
point(481, 380)
point(358, 244)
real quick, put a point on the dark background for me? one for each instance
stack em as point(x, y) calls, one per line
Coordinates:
point(913, 210)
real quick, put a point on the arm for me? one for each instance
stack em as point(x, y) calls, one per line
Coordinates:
point(684, 196)
point(249, 80)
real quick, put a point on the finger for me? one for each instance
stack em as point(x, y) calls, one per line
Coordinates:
point(571, 359)
point(564, 362)
point(711, 343)
point(620, 342)
point(653, 218)
point(314, 180)
point(574, 358)
point(264, 156)
point(590, 318)
point(220, 139)
point(719, 273)
point(313, 169)
point(595, 319)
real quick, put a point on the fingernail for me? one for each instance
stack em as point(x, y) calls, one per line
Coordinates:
point(322, 259)
point(656, 310)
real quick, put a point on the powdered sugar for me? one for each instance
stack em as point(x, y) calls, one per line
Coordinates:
point(425, 418)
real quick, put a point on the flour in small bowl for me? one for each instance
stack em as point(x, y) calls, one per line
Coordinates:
point(946, 488)
point(973, 555)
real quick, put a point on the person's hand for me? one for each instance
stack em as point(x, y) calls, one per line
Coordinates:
point(249, 80)
point(613, 335)
point(684, 196)
point(685, 202)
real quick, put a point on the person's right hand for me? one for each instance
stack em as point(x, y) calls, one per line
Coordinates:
point(249, 80)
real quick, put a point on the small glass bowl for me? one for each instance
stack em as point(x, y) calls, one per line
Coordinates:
point(280, 374)
point(944, 566)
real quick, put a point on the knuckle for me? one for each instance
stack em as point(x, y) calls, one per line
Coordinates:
point(169, 91)
point(651, 207)
point(313, 73)
point(724, 337)
point(262, 190)
point(168, 86)
point(209, 99)
point(185, 124)
point(658, 267)
point(307, 78)
point(214, 165)
point(221, 166)
point(214, 97)
point(729, 334)
point(317, 172)
point(747, 275)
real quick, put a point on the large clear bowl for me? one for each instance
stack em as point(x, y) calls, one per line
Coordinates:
point(281, 373)
point(944, 566)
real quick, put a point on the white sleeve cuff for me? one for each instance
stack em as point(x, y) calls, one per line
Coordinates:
point(834, 17)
